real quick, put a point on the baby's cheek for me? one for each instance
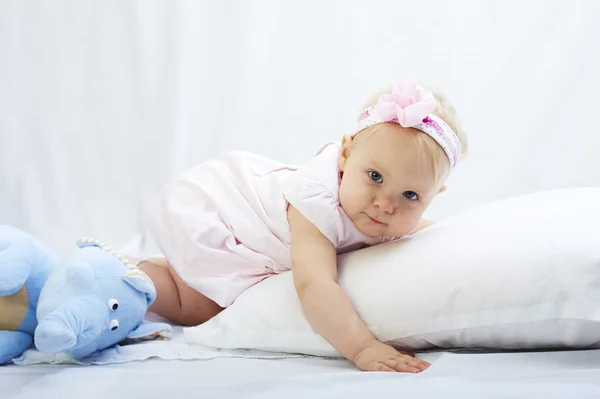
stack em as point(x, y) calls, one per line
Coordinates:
point(348, 198)
point(344, 198)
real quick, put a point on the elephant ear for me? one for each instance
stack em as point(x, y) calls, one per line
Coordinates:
point(142, 283)
point(150, 331)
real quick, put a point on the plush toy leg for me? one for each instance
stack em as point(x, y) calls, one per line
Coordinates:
point(15, 266)
point(12, 344)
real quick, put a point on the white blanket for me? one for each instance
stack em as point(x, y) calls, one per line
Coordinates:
point(174, 349)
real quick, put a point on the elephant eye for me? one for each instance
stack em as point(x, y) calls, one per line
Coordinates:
point(113, 304)
point(114, 324)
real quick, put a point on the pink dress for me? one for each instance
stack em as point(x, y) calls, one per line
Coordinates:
point(223, 225)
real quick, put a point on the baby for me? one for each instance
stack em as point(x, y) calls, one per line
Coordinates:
point(233, 221)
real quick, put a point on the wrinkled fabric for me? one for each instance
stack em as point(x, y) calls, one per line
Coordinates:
point(223, 225)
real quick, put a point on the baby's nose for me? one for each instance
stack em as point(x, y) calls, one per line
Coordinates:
point(385, 204)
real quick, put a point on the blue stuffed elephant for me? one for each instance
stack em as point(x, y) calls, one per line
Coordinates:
point(92, 301)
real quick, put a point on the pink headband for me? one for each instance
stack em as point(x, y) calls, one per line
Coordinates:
point(411, 105)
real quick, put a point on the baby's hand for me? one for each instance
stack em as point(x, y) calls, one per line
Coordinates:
point(381, 357)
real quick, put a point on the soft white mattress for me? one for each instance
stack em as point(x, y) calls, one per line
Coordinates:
point(572, 374)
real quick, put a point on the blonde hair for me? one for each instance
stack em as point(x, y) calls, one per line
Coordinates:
point(444, 110)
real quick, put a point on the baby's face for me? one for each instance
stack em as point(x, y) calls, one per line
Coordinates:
point(388, 181)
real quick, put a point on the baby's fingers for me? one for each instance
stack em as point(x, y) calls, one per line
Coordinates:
point(384, 367)
point(420, 363)
point(402, 367)
point(407, 364)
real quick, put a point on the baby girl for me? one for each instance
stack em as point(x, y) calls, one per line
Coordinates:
point(235, 220)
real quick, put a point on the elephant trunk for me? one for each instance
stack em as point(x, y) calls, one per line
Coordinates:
point(71, 325)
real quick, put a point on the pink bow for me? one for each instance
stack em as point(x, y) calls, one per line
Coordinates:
point(408, 102)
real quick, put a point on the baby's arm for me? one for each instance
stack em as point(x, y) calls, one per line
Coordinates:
point(328, 309)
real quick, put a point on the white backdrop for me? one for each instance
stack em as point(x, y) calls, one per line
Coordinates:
point(101, 102)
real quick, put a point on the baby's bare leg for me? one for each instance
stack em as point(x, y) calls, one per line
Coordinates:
point(175, 300)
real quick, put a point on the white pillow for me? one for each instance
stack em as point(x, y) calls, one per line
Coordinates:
point(519, 273)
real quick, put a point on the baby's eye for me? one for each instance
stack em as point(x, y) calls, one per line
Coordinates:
point(411, 195)
point(376, 177)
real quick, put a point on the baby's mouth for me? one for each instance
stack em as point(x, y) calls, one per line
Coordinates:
point(375, 220)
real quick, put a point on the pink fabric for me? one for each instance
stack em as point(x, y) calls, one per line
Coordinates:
point(407, 103)
point(410, 105)
point(223, 224)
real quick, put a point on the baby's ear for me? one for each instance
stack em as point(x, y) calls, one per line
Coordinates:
point(347, 140)
point(345, 152)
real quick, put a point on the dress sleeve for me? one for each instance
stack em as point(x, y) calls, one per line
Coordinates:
point(313, 190)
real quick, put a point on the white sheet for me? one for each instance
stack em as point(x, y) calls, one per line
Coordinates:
point(573, 374)
point(174, 349)
point(181, 370)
